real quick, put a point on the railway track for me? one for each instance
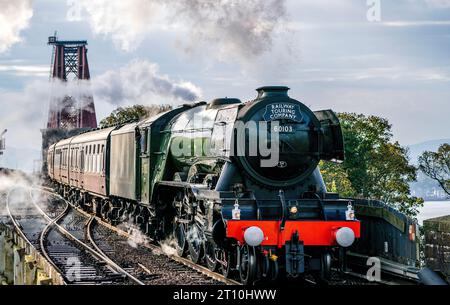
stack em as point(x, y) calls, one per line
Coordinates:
point(123, 236)
point(62, 246)
point(160, 268)
point(150, 267)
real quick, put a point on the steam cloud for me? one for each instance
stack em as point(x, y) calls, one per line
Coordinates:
point(141, 83)
point(137, 237)
point(232, 27)
point(15, 187)
point(14, 17)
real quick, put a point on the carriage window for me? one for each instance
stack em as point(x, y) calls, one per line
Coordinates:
point(58, 158)
point(81, 159)
point(97, 162)
point(94, 163)
point(103, 158)
point(90, 164)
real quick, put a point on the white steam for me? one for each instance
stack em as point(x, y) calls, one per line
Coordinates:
point(137, 237)
point(17, 189)
point(24, 113)
point(226, 28)
point(167, 247)
point(140, 82)
point(14, 17)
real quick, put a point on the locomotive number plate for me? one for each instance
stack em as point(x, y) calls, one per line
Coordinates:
point(284, 128)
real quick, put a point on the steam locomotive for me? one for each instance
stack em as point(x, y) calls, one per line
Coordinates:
point(235, 184)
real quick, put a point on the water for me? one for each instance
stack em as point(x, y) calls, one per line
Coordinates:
point(433, 209)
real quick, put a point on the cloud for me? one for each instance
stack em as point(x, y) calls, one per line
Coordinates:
point(438, 3)
point(416, 23)
point(401, 74)
point(24, 70)
point(14, 17)
point(226, 28)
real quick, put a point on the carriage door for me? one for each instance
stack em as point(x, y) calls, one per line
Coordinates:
point(145, 163)
point(81, 176)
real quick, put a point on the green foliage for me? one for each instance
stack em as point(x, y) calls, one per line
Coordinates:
point(436, 165)
point(336, 179)
point(375, 167)
point(133, 113)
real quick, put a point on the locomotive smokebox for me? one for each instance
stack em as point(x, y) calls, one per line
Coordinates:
point(290, 132)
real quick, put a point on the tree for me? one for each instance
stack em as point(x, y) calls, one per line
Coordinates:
point(375, 167)
point(132, 113)
point(336, 179)
point(436, 165)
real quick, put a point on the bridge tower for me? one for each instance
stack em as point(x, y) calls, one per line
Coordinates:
point(69, 113)
point(70, 60)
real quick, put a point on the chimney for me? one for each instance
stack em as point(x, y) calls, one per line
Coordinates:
point(272, 91)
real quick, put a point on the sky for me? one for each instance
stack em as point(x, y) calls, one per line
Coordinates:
point(380, 57)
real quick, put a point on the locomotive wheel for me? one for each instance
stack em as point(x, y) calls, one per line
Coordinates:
point(325, 271)
point(195, 243)
point(323, 275)
point(180, 237)
point(210, 256)
point(230, 262)
point(247, 265)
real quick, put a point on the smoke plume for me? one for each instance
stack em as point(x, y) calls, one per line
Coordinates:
point(141, 83)
point(226, 28)
point(14, 17)
point(25, 112)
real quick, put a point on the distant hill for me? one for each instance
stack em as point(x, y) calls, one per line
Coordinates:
point(20, 158)
point(426, 187)
point(416, 150)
